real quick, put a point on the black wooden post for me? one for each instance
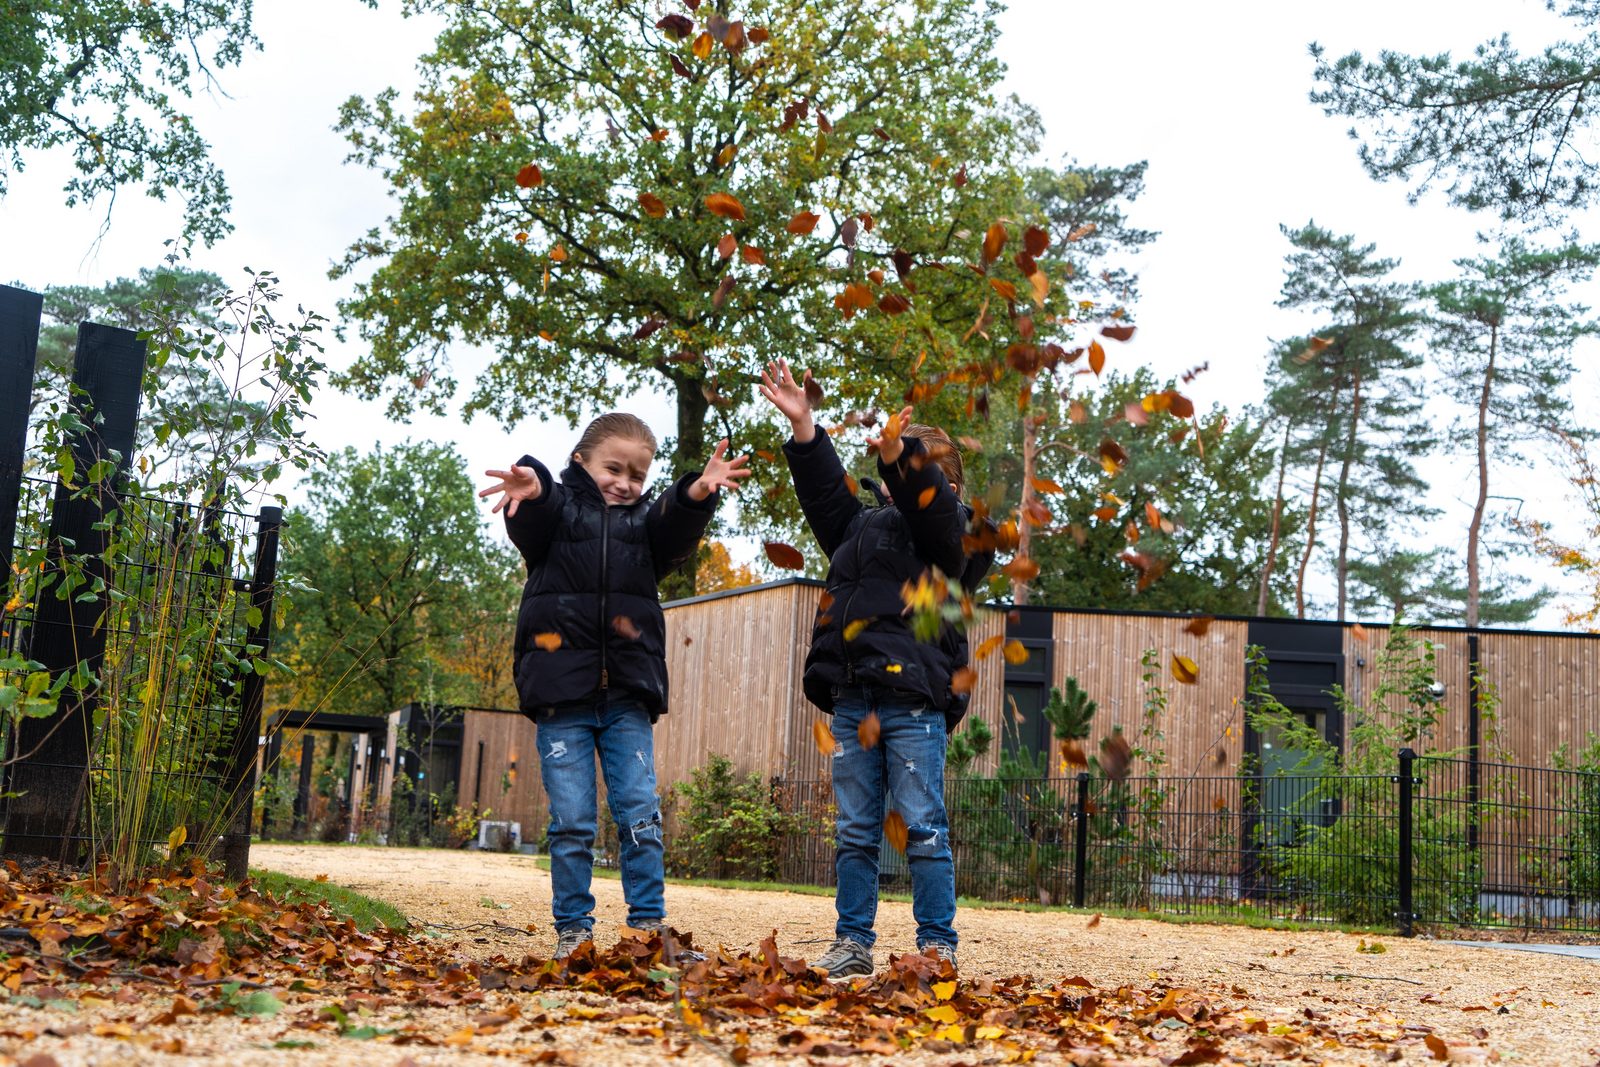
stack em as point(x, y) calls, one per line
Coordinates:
point(52, 753)
point(247, 737)
point(302, 792)
point(1407, 914)
point(269, 761)
point(1080, 842)
point(19, 348)
point(1474, 738)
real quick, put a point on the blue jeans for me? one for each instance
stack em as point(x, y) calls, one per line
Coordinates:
point(907, 762)
point(568, 740)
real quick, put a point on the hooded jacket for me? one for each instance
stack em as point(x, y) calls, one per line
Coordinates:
point(590, 618)
point(872, 552)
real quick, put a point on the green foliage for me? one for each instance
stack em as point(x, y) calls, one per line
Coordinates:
point(966, 746)
point(1580, 817)
point(729, 826)
point(1502, 131)
point(1070, 711)
point(1128, 829)
point(107, 79)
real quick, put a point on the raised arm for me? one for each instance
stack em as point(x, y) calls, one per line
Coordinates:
point(678, 520)
point(924, 496)
point(531, 500)
point(819, 477)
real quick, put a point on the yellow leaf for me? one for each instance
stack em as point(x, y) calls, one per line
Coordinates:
point(1184, 669)
point(944, 990)
point(944, 1013)
point(462, 1036)
point(702, 46)
point(725, 156)
point(690, 1016)
point(990, 1033)
point(1015, 652)
point(893, 668)
point(823, 737)
point(175, 840)
point(953, 1034)
point(853, 630)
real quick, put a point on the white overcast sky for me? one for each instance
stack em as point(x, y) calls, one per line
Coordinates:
point(1214, 96)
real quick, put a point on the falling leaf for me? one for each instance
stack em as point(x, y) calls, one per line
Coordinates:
point(1021, 569)
point(868, 730)
point(725, 156)
point(648, 327)
point(758, 35)
point(702, 46)
point(679, 26)
point(1077, 413)
point(1184, 669)
point(1199, 625)
point(1358, 632)
point(823, 737)
point(993, 241)
point(1045, 485)
point(893, 304)
point(1097, 357)
point(1115, 756)
point(1436, 1046)
point(626, 627)
point(1072, 755)
point(1035, 240)
point(1082, 231)
point(176, 838)
point(1313, 347)
point(987, 646)
point(724, 290)
point(1016, 652)
point(522, 236)
point(753, 255)
point(1005, 289)
point(1105, 514)
point(1181, 406)
point(785, 556)
point(894, 828)
point(652, 205)
point(1117, 333)
point(813, 391)
point(548, 641)
point(963, 680)
point(1094, 920)
point(1040, 285)
point(530, 176)
point(853, 630)
point(558, 254)
point(725, 206)
point(658, 135)
point(679, 68)
point(1112, 455)
point(726, 246)
point(802, 223)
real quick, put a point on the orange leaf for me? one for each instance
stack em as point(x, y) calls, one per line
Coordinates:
point(1021, 569)
point(625, 627)
point(658, 135)
point(925, 497)
point(702, 46)
point(1105, 513)
point(1097, 357)
point(1045, 485)
point(725, 156)
point(726, 246)
point(993, 241)
point(1006, 290)
point(986, 647)
point(1016, 652)
point(652, 205)
point(1152, 514)
point(530, 176)
point(803, 223)
point(548, 642)
point(1184, 669)
point(753, 255)
point(786, 556)
point(1199, 625)
point(894, 828)
point(1358, 632)
point(1035, 240)
point(867, 732)
point(964, 680)
point(726, 206)
point(1041, 286)
point(893, 304)
point(823, 737)
point(1117, 333)
point(1181, 406)
point(558, 254)
point(1072, 755)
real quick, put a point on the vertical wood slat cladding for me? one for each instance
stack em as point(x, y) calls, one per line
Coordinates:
point(1102, 652)
point(506, 738)
point(1363, 677)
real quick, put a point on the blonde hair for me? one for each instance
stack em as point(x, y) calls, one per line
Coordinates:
point(941, 450)
point(613, 424)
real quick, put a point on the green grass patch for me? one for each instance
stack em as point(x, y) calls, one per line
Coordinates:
point(365, 912)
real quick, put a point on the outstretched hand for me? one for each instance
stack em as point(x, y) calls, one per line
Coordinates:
point(888, 441)
point(515, 486)
point(720, 473)
point(778, 385)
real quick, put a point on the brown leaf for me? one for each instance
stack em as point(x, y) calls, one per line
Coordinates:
point(1021, 569)
point(1181, 406)
point(1094, 920)
point(652, 205)
point(802, 223)
point(963, 680)
point(1006, 290)
point(753, 255)
point(925, 497)
point(1045, 485)
point(678, 26)
point(646, 328)
point(625, 627)
point(1015, 652)
point(548, 641)
point(724, 290)
point(759, 35)
point(994, 240)
point(1199, 625)
point(726, 206)
point(1040, 285)
point(814, 395)
point(530, 176)
point(1117, 333)
point(680, 68)
point(894, 828)
point(726, 246)
point(1077, 413)
point(1112, 455)
point(1436, 1046)
point(893, 304)
point(1115, 756)
point(1072, 755)
point(823, 737)
point(1184, 669)
point(868, 729)
point(1097, 357)
point(785, 556)
point(1202, 1051)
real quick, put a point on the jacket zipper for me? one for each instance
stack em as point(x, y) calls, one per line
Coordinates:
point(605, 589)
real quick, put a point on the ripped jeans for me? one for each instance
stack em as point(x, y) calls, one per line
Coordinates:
point(907, 763)
point(569, 736)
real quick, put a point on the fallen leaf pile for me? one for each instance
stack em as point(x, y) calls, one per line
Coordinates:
point(185, 945)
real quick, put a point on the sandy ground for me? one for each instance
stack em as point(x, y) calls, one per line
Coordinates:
point(1523, 1007)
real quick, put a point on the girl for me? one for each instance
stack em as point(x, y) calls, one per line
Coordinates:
point(590, 651)
point(865, 661)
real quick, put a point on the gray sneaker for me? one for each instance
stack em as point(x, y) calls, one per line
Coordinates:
point(847, 958)
point(568, 940)
point(670, 945)
point(939, 951)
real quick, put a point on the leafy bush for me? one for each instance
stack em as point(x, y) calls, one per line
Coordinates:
point(729, 826)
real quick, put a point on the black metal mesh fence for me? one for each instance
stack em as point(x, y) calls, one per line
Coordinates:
point(1440, 841)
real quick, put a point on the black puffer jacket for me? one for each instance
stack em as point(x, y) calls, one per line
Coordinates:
point(872, 553)
point(592, 574)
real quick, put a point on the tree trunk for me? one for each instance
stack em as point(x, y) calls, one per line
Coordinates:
point(1277, 517)
point(1342, 500)
point(1030, 464)
point(1475, 528)
point(689, 453)
point(1311, 533)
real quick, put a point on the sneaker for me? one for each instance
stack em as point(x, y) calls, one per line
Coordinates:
point(679, 953)
point(939, 951)
point(847, 958)
point(568, 940)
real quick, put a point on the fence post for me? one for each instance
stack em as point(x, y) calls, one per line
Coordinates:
point(20, 311)
point(241, 783)
point(302, 789)
point(52, 753)
point(1080, 842)
point(1407, 914)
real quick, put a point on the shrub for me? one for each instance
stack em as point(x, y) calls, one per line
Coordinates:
point(729, 826)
